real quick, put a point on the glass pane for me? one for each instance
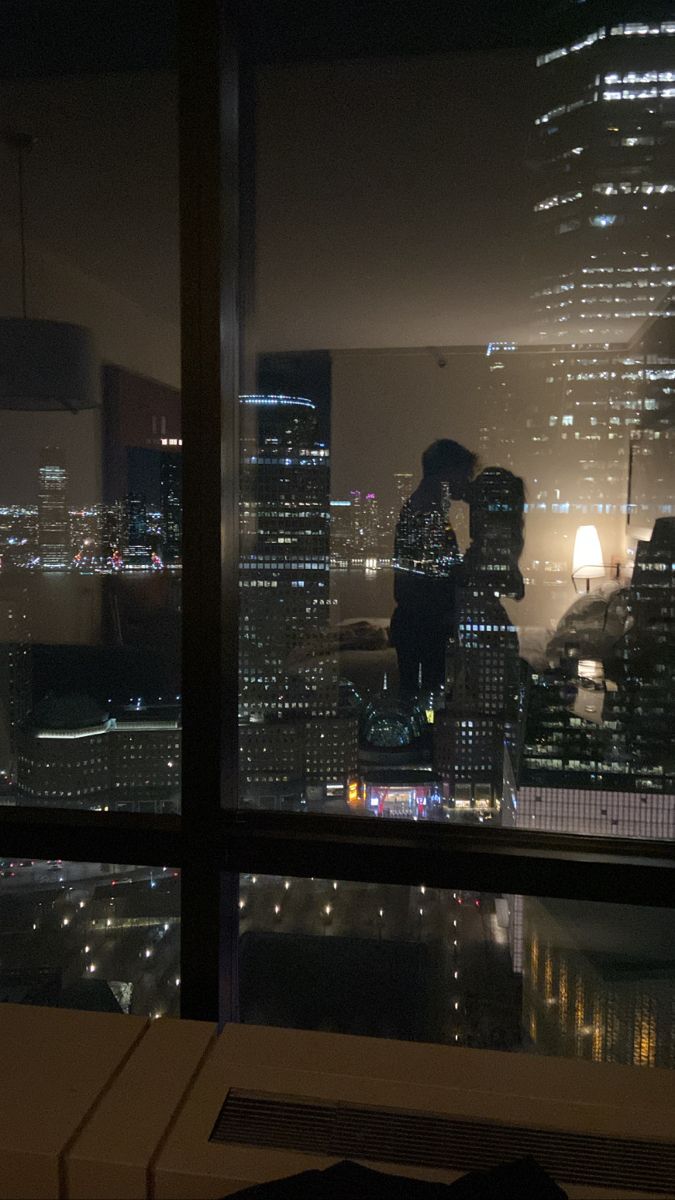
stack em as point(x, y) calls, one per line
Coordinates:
point(90, 421)
point(457, 524)
point(99, 936)
point(534, 975)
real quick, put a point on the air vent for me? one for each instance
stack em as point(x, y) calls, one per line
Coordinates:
point(432, 1140)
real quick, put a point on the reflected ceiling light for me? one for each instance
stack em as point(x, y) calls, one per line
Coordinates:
point(45, 366)
point(587, 561)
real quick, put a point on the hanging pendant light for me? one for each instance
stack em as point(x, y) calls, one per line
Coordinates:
point(45, 366)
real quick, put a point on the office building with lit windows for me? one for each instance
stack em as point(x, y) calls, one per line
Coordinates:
point(284, 561)
point(484, 711)
point(298, 760)
point(53, 526)
point(293, 740)
point(171, 502)
point(15, 674)
point(649, 654)
point(589, 996)
point(71, 752)
point(605, 149)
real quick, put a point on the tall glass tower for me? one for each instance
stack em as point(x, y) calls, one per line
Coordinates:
point(53, 526)
point(605, 152)
point(284, 561)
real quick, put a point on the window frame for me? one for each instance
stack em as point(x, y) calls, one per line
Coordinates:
point(212, 841)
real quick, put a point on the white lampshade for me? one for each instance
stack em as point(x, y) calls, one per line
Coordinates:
point(587, 560)
point(46, 366)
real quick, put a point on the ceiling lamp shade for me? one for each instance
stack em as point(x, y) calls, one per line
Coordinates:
point(46, 366)
point(587, 557)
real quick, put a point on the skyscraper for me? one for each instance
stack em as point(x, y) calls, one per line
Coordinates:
point(53, 528)
point(295, 746)
point(137, 520)
point(404, 482)
point(285, 561)
point(605, 134)
point(649, 654)
point(171, 498)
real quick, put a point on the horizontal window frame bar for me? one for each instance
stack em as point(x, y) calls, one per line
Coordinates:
point(561, 865)
point(498, 861)
point(134, 839)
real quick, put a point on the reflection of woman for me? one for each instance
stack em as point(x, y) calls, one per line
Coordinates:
point(426, 568)
point(496, 504)
point(490, 677)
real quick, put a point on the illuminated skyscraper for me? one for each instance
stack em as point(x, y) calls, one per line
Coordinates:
point(605, 996)
point(649, 654)
point(296, 748)
point(605, 133)
point(285, 561)
point(404, 482)
point(15, 671)
point(171, 498)
point(53, 528)
point(484, 680)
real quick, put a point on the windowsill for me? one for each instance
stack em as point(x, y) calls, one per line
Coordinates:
point(97, 1105)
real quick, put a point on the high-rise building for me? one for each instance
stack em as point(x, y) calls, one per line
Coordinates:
point(137, 520)
point(606, 996)
point(53, 525)
point(295, 746)
point(649, 654)
point(114, 530)
point(404, 482)
point(285, 662)
point(605, 134)
point(171, 499)
point(484, 690)
point(139, 414)
point(15, 672)
point(71, 752)
point(484, 709)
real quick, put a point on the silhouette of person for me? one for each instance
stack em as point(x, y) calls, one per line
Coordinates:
point(496, 500)
point(490, 679)
point(427, 564)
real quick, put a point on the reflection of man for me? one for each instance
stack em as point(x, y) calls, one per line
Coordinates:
point(426, 567)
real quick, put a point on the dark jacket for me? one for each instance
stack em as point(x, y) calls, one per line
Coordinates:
point(426, 554)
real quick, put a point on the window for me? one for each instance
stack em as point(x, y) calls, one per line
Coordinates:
point(460, 967)
point(393, 677)
point(90, 424)
point(101, 936)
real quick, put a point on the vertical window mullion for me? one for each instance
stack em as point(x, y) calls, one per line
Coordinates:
point(208, 116)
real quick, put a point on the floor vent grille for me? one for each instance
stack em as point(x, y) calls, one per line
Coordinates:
point(418, 1139)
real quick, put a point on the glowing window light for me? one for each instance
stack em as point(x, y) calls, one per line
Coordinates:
point(555, 201)
point(563, 51)
point(278, 401)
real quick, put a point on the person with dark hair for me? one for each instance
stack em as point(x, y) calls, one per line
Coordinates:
point(496, 505)
point(484, 679)
point(427, 563)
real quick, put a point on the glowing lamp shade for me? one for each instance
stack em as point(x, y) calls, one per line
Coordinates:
point(46, 366)
point(587, 556)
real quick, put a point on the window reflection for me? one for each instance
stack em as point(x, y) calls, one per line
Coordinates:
point(489, 268)
point(534, 975)
point(90, 441)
